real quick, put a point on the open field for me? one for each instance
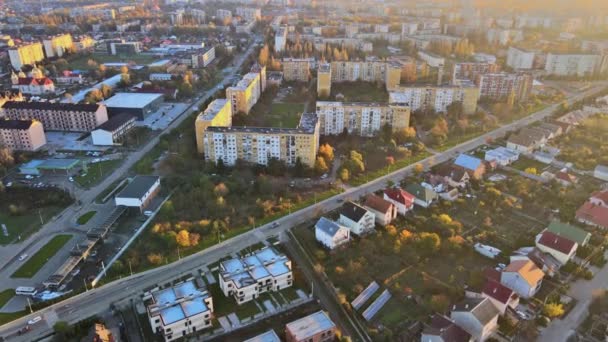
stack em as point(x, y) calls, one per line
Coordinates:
point(26, 224)
point(36, 261)
point(96, 172)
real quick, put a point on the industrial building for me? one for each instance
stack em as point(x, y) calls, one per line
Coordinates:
point(139, 105)
point(113, 131)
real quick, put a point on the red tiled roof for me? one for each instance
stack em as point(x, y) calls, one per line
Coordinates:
point(556, 242)
point(491, 274)
point(377, 203)
point(401, 196)
point(593, 213)
point(565, 176)
point(603, 195)
point(497, 291)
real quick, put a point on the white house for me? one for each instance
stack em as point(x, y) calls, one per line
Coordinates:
point(139, 192)
point(477, 316)
point(330, 234)
point(502, 156)
point(403, 200)
point(384, 211)
point(500, 295)
point(561, 248)
point(523, 277)
point(358, 219)
point(601, 172)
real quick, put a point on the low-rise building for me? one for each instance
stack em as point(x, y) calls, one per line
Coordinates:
point(594, 212)
point(501, 296)
point(561, 248)
point(477, 316)
point(139, 192)
point(444, 329)
point(475, 167)
point(113, 131)
point(317, 327)
point(180, 310)
point(424, 197)
point(601, 172)
point(501, 156)
point(384, 211)
point(331, 234)
point(218, 113)
point(57, 116)
point(140, 105)
point(263, 271)
point(268, 336)
point(576, 234)
point(21, 135)
point(358, 219)
point(523, 277)
point(403, 200)
point(528, 139)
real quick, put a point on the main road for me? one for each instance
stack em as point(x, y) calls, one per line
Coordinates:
point(99, 299)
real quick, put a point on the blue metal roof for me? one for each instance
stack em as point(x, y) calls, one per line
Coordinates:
point(327, 226)
point(467, 162)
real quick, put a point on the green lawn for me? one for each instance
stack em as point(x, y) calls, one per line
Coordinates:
point(9, 317)
point(286, 115)
point(360, 92)
point(86, 217)
point(35, 262)
point(224, 305)
point(24, 225)
point(5, 296)
point(370, 176)
point(523, 163)
point(96, 172)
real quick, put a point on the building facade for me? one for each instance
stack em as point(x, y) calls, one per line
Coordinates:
point(218, 113)
point(371, 70)
point(280, 39)
point(317, 327)
point(26, 54)
point(575, 64)
point(364, 119)
point(436, 98)
point(470, 71)
point(245, 94)
point(22, 135)
point(502, 85)
point(58, 116)
point(113, 131)
point(58, 45)
point(324, 80)
point(249, 13)
point(296, 69)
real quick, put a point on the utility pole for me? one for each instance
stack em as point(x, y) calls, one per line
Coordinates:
point(178, 256)
point(85, 285)
point(130, 269)
point(40, 215)
point(29, 304)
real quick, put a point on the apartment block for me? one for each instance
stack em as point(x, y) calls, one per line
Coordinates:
point(296, 69)
point(259, 145)
point(58, 45)
point(502, 85)
point(222, 14)
point(370, 70)
point(575, 64)
point(180, 310)
point(57, 116)
point(436, 98)
point(317, 327)
point(263, 271)
point(364, 119)
point(324, 80)
point(519, 58)
point(218, 113)
point(280, 39)
point(470, 71)
point(125, 48)
point(249, 13)
point(261, 70)
point(26, 54)
point(245, 94)
point(22, 135)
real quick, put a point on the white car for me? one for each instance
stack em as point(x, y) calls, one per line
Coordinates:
point(29, 177)
point(34, 320)
point(71, 179)
point(148, 213)
point(22, 257)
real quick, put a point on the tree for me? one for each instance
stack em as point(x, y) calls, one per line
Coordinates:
point(344, 175)
point(404, 135)
point(63, 330)
point(429, 242)
point(418, 168)
point(327, 152)
point(553, 310)
point(320, 165)
point(106, 91)
point(264, 55)
point(531, 170)
point(154, 258)
point(183, 238)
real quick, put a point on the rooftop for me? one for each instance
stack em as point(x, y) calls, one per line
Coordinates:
point(482, 308)
point(132, 100)
point(527, 270)
point(269, 336)
point(310, 325)
point(307, 125)
point(468, 162)
point(16, 124)
point(178, 302)
point(261, 264)
point(212, 109)
point(79, 107)
point(569, 231)
point(328, 226)
point(116, 122)
point(498, 291)
point(378, 203)
point(353, 211)
point(445, 328)
point(556, 242)
point(138, 187)
point(401, 196)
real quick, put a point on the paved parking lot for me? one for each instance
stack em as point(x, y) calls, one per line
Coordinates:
point(161, 119)
point(70, 142)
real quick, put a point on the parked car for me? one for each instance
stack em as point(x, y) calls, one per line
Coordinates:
point(34, 320)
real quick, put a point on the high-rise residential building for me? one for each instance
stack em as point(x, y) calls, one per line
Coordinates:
point(296, 69)
point(245, 94)
point(25, 54)
point(370, 70)
point(245, 279)
point(198, 15)
point(518, 58)
point(364, 119)
point(21, 135)
point(249, 13)
point(436, 98)
point(280, 39)
point(218, 113)
point(324, 80)
point(259, 145)
point(57, 116)
point(575, 64)
point(261, 70)
point(57, 46)
point(470, 71)
point(503, 85)
point(222, 14)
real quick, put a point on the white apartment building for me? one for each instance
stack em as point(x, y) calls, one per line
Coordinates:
point(179, 311)
point(574, 64)
point(114, 130)
point(437, 98)
point(263, 271)
point(222, 14)
point(22, 135)
point(249, 13)
point(280, 39)
point(431, 59)
point(520, 58)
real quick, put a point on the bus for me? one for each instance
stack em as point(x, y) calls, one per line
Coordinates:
point(25, 291)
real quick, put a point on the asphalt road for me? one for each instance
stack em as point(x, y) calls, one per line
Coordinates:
point(96, 300)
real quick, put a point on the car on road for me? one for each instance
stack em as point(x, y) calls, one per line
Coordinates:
point(34, 320)
point(22, 257)
point(148, 213)
point(339, 200)
point(325, 175)
point(276, 224)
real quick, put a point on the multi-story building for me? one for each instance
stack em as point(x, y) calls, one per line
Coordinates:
point(436, 98)
point(317, 327)
point(370, 70)
point(83, 43)
point(263, 271)
point(381, 28)
point(245, 94)
point(25, 54)
point(113, 131)
point(280, 39)
point(203, 58)
point(296, 69)
point(218, 113)
point(470, 71)
point(223, 15)
point(36, 84)
point(503, 36)
point(259, 145)
point(58, 45)
point(503, 85)
point(261, 70)
point(22, 135)
point(518, 58)
point(249, 13)
point(125, 48)
point(57, 116)
point(575, 64)
point(180, 310)
point(364, 119)
point(431, 59)
point(324, 80)
point(198, 15)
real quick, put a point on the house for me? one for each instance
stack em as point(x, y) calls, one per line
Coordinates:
point(268, 336)
point(553, 129)
point(523, 277)
point(452, 176)
point(546, 262)
point(317, 327)
point(473, 166)
point(423, 197)
point(599, 198)
point(477, 316)
point(358, 219)
point(383, 210)
point(443, 329)
point(594, 212)
point(528, 139)
point(501, 296)
point(601, 172)
point(139, 192)
point(403, 200)
point(450, 195)
point(330, 234)
point(578, 235)
point(559, 247)
point(502, 156)
point(565, 178)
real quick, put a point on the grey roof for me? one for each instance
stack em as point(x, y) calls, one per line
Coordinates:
point(481, 308)
point(310, 325)
point(79, 107)
point(132, 100)
point(327, 226)
point(138, 187)
point(16, 124)
point(115, 122)
point(353, 211)
point(308, 122)
point(269, 336)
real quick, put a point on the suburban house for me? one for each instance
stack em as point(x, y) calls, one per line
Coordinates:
point(450, 195)
point(330, 234)
point(576, 234)
point(384, 210)
point(502, 156)
point(317, 327)
point(501, 296)
point(523, 277)
point(423, 197)
point(601, 172)
point(595, 211)
point(403, 200)
point(452, 176)
point(565, 178)
point(559, 247)
point(475, 167)
point(477, 316)
point(528, 139)
point(443, 329)
point(358, 219)
point(545, 261)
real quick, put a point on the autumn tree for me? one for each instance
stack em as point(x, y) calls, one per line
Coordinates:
point(320, 165)
point(154, 258)
point(404, 135)
point(344, 174)
point(264, 55)
point(183, 238)
point(327, 152)
point(553, 310)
